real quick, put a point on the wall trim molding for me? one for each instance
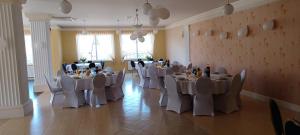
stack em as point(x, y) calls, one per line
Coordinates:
point(239, 5)
point(281, 103)
point(16, 111)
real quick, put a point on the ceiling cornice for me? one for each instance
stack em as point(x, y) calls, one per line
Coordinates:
point(13, 1)
point(38, 16)
point(104, 28)
point(217, 12)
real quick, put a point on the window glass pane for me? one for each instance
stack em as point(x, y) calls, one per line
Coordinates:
point(105, 47)
point(85, 46)
point(28, 47)
point(131, 49)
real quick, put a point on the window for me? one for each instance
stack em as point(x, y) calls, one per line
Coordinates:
point(28, 47)
point(133, 49)
point(95, 46)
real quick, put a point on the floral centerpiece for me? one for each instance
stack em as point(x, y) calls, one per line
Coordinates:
point(82, 59)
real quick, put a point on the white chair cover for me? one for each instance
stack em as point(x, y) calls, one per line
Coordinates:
point(97, 96)
point(55, 90)
point(227, 102)
point(203, 100)
point(177, 102)
point(68, 86)
point(163, 100)
point(124, 73)
point(243, 75)
point(144, 82)
point(221, 70)
point(154, 83)
point(190, 66)
point(115, 92)
point(176, 68)
point(169, 71)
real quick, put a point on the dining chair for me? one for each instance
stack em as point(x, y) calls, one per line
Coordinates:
point(176, 102)
point(176, 68)
point(276, 117)
point(221, 70)
point(123, 78)
point(68, 86)
point(74, 67)
point(292, 128)
point(163, 99)
point(227, 102)
point(64, 68)
point(92, 65)
point(144, 81)
point(190, 66)
point(243, 75)
point(154, 83)
point(115, 92)
point(97, 95)
point(55, 90)
point(203, 100)
point(132, 64)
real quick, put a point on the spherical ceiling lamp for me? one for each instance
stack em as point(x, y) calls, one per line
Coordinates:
point(142, 39)
point(164, 13)
point(154, 13)
point(146, 8)
point(154, 21)
point(228, 8)
point(65, 7)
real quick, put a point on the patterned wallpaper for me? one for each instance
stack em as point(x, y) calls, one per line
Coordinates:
point(272, 58)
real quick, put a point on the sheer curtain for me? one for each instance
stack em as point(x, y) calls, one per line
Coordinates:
point(133, 49)
point(95, 46)
point(28, 47)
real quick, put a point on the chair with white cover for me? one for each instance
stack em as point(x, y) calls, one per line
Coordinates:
point(115, 91)
point(176, 68)
point(227, 102)
point(163, 100)
point(190, 66)
point(177, 102)
point(144, 81)
point(203, 100)
point(123, 78)
point(154, 82)
point(243, 75)
point(98, 96)
point(68, 86)
point(221, 70)
point(55, 90)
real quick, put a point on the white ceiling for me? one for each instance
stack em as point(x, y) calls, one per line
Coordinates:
point(105, 13)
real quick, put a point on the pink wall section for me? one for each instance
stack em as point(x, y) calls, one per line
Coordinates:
point(272, 58)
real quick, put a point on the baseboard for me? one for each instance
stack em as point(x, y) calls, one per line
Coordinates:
point(281, 103)
point(16, 111)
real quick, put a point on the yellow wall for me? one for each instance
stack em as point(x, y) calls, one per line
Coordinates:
point(56, 50)
point(70, 51)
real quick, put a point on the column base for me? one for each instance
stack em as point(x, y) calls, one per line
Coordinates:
point(16, 111)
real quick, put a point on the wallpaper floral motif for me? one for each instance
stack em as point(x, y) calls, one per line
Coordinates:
point(272, 58)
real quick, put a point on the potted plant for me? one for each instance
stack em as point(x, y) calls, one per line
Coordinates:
point(82, 59)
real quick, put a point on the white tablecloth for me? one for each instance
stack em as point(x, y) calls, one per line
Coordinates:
point(188, 85)
point(81, 66)
point(86, 83)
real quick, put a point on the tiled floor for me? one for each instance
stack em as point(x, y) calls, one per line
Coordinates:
point(138, 113)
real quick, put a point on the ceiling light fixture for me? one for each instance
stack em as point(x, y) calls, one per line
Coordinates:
point(65, 7)
point(146, 8)
point(155, 14)
point(228, 8)
point(138, 32)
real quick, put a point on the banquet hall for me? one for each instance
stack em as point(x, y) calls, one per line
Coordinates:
point(149, 67)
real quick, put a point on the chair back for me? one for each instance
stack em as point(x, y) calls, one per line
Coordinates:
point(176, 68)
point(124, 73)
point(243, 75)
point(190, 66)
point(221, 70)
point(64, 68)
point(99, 81)
point(119, 80)
point(276, 118)
point(68, 84)
point(132, 64)
point(142, 63)
point(292, 128)
point(204, 86)
point(171, 86)
point(50, 84)
point(74, 67)
point(139, 69)
point(235, 86)
point(152, 71)
point(92, 65)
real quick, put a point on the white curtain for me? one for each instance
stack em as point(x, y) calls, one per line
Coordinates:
point(28, 47)
point(95, 46)
point(133, 49)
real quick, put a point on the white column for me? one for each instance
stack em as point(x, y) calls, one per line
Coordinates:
point(40, 34)
point(14, 95)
